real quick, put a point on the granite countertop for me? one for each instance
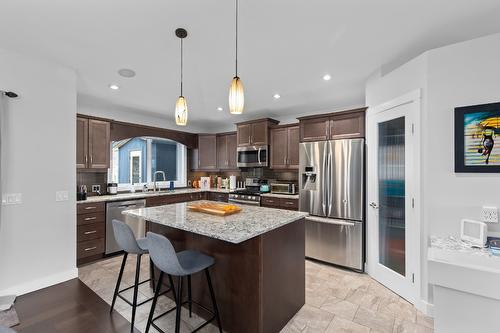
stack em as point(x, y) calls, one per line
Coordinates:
point(252, 221)
point(284, 196)
point(142, 195)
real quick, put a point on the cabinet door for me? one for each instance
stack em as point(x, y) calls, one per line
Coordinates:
point(259, 133)
point(293, 147)
point(99, 148)
point(279, 138)
point(347, 126)
point(207, 152)
point(82, 142)
point(231, 151)
point(244, 134)
point(222, 157)
point(316, 129)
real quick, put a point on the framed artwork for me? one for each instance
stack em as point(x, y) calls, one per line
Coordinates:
point(477, 138)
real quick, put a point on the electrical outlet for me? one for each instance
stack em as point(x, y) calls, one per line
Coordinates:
point(489, 214)
point(96, 188)
point(62, 196)
point(12, 199)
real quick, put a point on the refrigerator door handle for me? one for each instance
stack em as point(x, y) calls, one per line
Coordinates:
point(329, 180)
point(326, 186)
point(330, 221)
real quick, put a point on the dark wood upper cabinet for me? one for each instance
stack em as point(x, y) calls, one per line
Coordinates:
point(285, 147)
point(231, 151)
point(279, 139)
point(315, 129)
point(244, 135)
point(226, 151)
point(293, 147)
point(222, 156)
point(338, 125)
point(99, 144)
point(92, 143)
point(82, 142)
point(207, 152)
point(346, 126)
point(255, 132)
point(260, 132)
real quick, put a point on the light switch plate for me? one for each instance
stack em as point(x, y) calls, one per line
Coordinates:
point(62, 196)
point(489, 214)
point(96, 188)
point(12, 199)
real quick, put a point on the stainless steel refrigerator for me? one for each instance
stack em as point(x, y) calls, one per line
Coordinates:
point(331, 189)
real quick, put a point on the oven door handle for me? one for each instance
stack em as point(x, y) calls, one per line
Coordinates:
point(255, 203)
point(258, 155)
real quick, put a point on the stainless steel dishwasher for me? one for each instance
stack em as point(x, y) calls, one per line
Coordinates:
point(114, 212)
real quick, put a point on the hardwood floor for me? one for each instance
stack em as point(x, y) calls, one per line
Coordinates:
point(67, 307)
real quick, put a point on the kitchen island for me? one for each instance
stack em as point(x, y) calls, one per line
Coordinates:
point(259, 271)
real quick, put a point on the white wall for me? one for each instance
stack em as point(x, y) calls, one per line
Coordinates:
point(462, 74)
point(38, 237)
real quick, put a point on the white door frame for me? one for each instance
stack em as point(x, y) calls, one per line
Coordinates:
point(412, 189)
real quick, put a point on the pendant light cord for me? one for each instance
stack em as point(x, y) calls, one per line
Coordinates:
point(181, 63)
point(237, 37)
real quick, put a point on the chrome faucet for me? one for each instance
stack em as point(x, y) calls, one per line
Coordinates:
point(155, 180)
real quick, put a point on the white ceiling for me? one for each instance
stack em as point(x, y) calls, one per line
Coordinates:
point(286, 46)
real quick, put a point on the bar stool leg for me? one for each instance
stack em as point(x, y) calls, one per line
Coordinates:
point(152, 272)
point(136, 288)
point(179, 307)
point(190, 299)
point(118, 282)
point(171, 281)
point(214, 303)
point(155, 299)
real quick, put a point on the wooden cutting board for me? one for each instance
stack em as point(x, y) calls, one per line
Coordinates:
point(215, 208)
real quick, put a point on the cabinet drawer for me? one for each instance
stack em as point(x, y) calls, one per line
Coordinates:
point(85, 208)
point(214, 196)
point(270, 202)
point(90, 231)
point(90, 218)
point(90, 248)
point(193, 196)
point(292, 204)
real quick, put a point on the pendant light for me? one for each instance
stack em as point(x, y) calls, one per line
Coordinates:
point(236, 94)
point(181, 109)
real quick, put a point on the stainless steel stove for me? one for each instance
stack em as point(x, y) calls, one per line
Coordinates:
point(245, 196)
point(250, 195)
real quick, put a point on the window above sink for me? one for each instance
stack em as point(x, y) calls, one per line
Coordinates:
point(134, 162)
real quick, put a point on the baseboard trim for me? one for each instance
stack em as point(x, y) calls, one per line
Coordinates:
point(425, 307)
point(45, 282)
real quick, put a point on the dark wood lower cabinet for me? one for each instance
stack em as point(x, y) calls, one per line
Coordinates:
point(259, 284)
point(90, 232)
point(281, 203)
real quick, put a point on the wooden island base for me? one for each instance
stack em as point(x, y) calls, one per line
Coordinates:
point(259, 284)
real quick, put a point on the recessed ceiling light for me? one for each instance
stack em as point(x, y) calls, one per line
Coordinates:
point(219, 109)
point(126, 72)
point(113, 87)
point(327, 77)
point(276, 96)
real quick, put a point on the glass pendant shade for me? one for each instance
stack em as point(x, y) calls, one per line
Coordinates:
point(181, 111)
point(236, 96)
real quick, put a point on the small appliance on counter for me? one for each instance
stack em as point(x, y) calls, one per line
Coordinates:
point(264, 188)
point(205, 183)
point(82, 194)
point(283, 188)
point(232, 182)
point(112, 188)
point(474, 232)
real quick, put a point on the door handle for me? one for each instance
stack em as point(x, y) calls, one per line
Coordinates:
point(373, 205)
point(258, 155)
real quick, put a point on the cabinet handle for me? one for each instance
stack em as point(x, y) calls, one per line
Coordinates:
point(88, 208)
point(271, 201)
point(91, 248)
point(86, 159)
point(91, 159)
point(249, 139)
point(288, 203)
point(90, 232)
point(90, 218)
point(284, 160)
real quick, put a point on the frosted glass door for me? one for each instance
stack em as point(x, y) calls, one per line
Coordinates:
point(391, 186)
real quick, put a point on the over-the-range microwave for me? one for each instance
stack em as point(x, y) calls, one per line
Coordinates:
point(253, 156)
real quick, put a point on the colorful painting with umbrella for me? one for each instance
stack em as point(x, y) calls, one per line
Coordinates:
point(482, 138)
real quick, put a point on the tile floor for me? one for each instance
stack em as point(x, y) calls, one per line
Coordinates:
point(337, 300)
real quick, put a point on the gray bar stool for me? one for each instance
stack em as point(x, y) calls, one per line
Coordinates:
point(180, 264)
point(125, 238)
